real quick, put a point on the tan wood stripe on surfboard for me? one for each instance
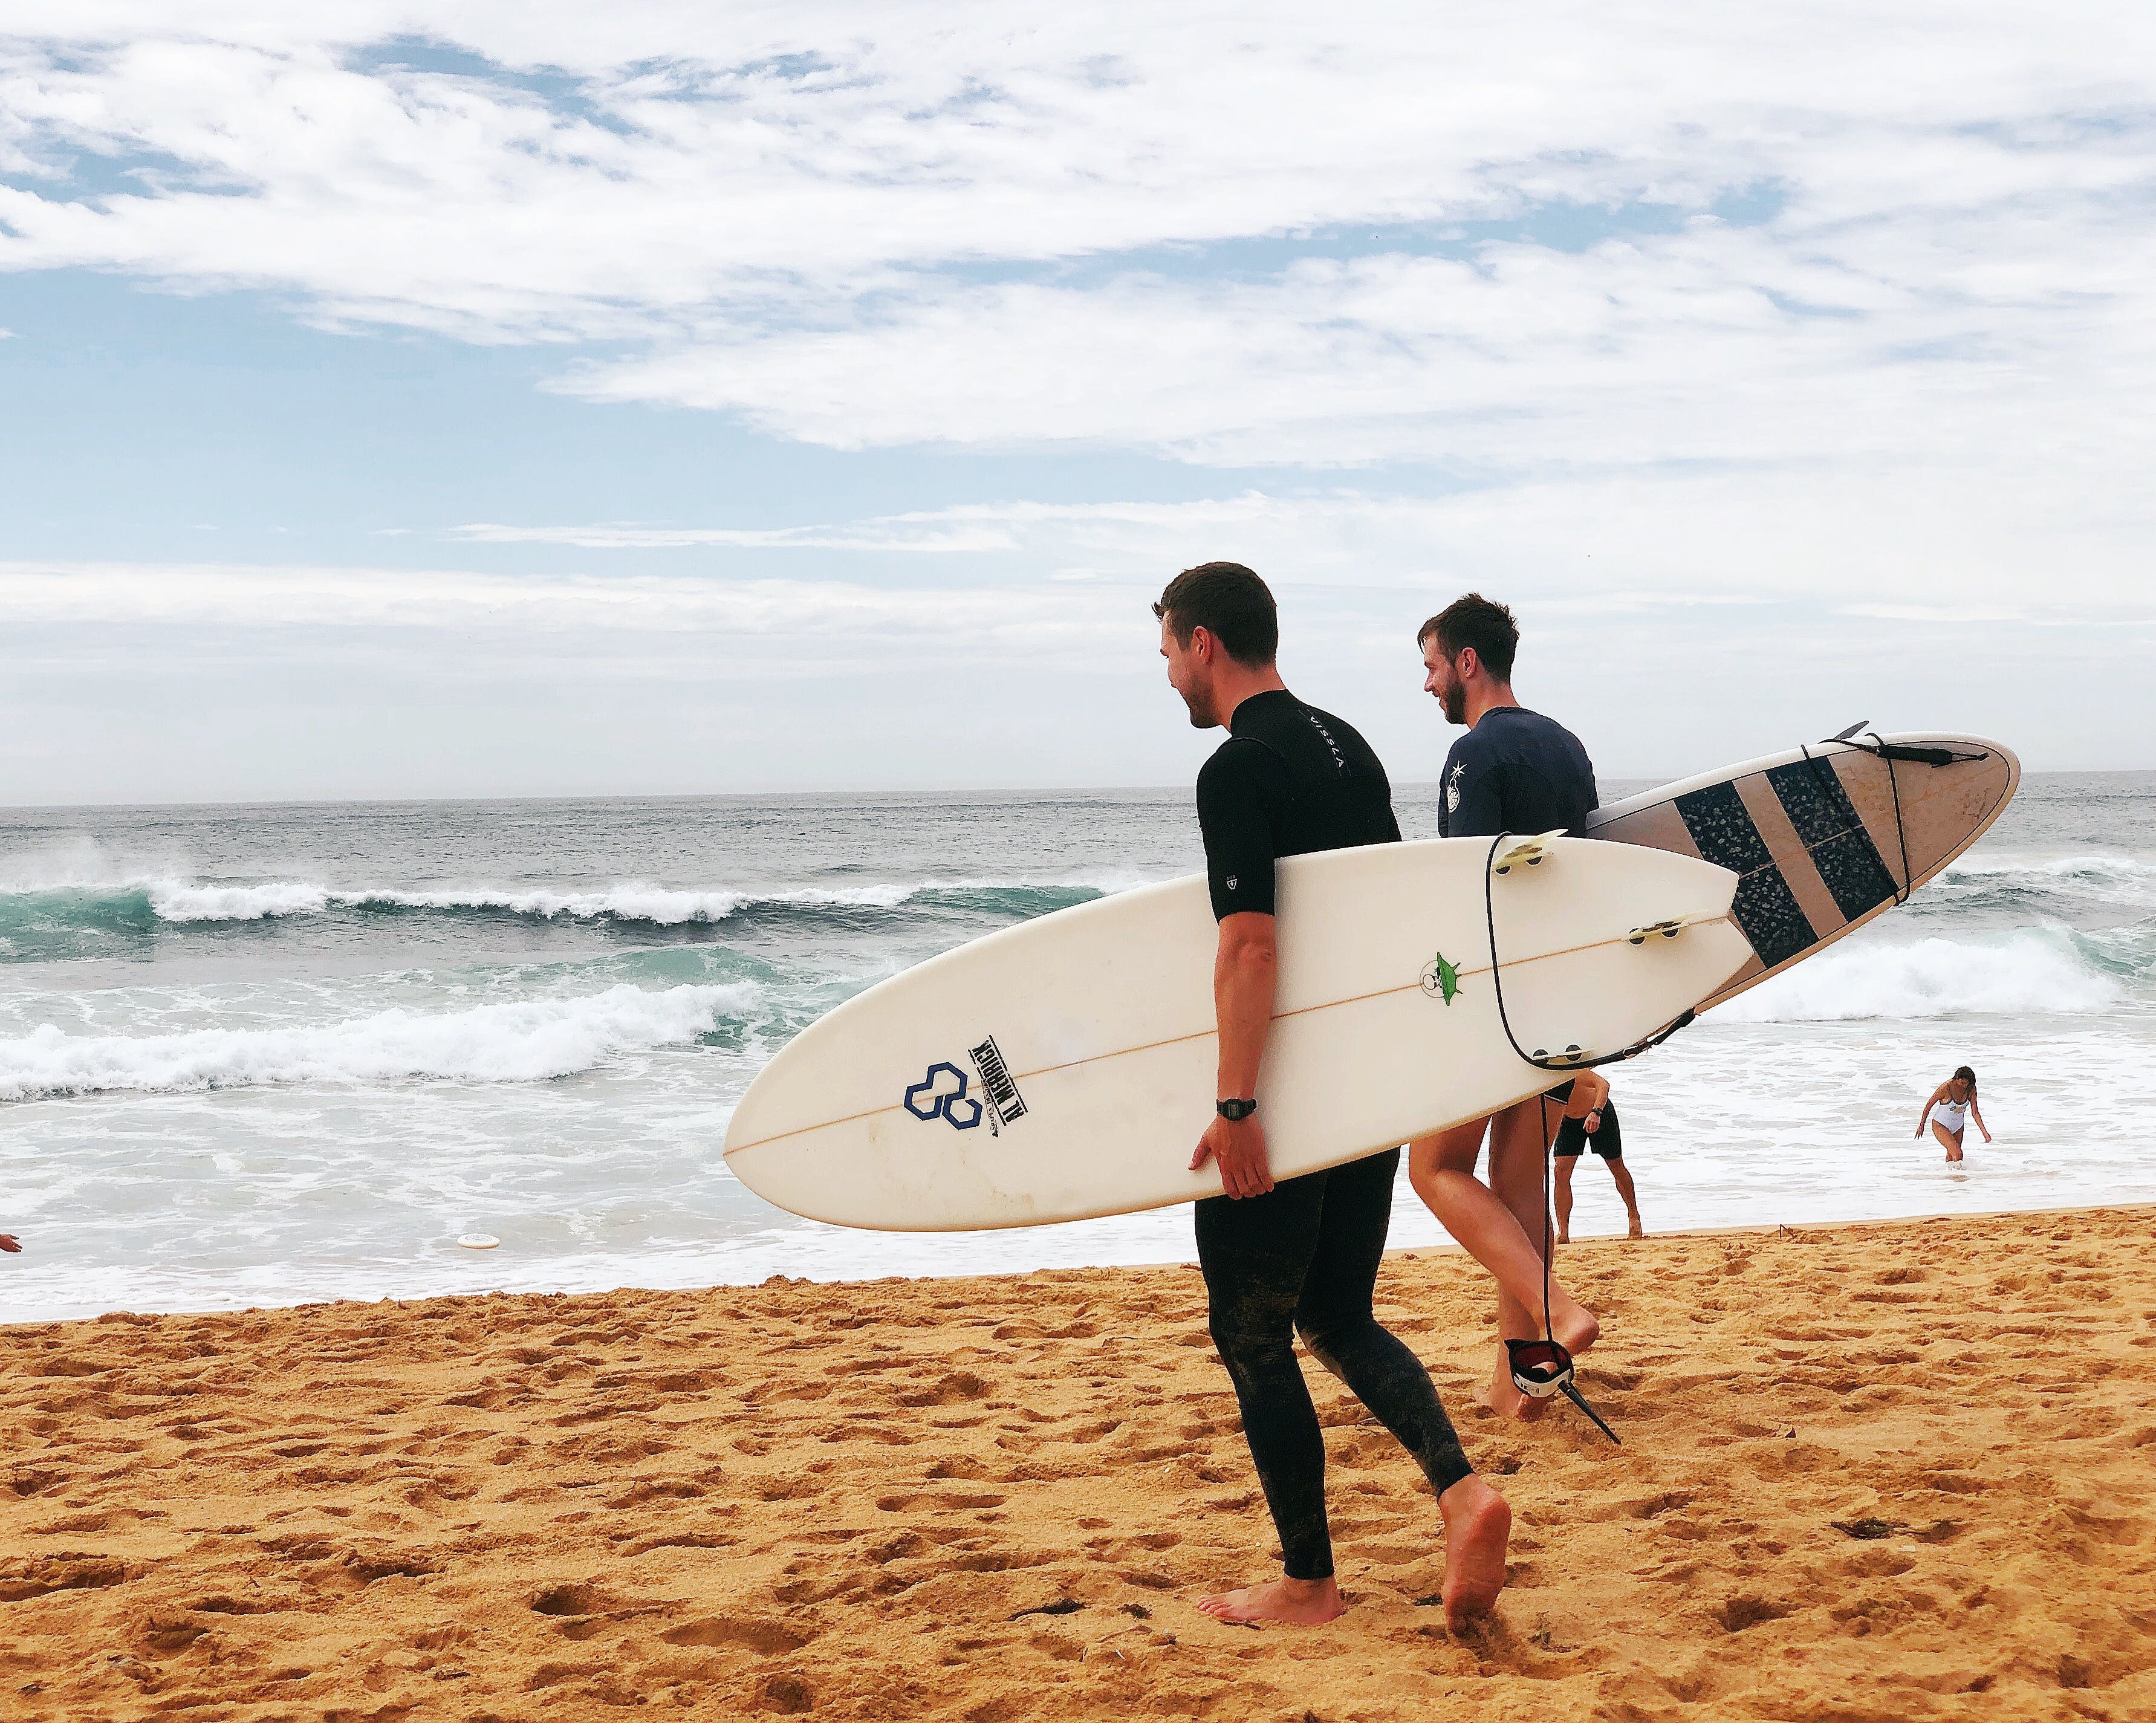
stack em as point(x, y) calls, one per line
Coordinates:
point(1816, 835)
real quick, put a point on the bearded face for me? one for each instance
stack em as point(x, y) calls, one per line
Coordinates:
point(1443, 680)
point(1187, 676)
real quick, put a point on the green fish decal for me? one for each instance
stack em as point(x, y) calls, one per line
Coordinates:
point(1440, 978)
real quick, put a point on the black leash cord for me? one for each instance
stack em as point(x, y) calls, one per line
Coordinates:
point(1901, 832)
point(1545, 1062)
point(1542, 1102)
point(1887, 755)
point(1568, 1387)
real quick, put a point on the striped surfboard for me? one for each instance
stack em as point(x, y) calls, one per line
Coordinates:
point(1824, 837)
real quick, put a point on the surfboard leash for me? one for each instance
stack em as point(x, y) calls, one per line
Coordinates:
point(1900, 830)
point(1542, 1368)
point(1547, 1061)
point(1887, 755)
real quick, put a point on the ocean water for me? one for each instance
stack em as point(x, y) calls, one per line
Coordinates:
point(273, 1055)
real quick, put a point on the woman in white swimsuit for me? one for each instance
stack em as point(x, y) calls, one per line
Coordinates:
point(1953, 1104)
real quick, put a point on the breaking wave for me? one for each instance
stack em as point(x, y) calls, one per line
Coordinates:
point(2033, 886)
point(143, 905)
point(2035, 972)
point(526, 1041)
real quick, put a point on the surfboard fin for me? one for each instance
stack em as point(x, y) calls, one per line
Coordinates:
point(1668, 929)
point(1528, 853)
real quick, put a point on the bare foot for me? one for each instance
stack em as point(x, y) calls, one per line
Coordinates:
point(1307, 1602)
point(1637, 1230)
point(1564, 1237)
point(1572, 1325)
point(1502, 1397)
point(1478, 1522)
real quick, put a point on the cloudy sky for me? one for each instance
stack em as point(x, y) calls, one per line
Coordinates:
point(545, 398)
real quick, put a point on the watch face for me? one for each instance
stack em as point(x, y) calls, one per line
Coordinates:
point(1234, 1111)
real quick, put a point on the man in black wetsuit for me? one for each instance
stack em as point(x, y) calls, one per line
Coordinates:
point(1301, 1255)
point(1514, 771)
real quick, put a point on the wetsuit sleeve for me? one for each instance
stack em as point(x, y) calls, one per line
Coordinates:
point(1474, 793)
point(1233, 812)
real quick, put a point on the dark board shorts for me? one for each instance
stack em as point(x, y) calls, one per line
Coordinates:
point(1573, 1140)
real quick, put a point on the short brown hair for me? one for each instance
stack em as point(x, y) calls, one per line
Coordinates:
point(1231, 604)
point(1474, 620)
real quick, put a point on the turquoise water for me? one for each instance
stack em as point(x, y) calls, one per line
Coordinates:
point(261, 1054)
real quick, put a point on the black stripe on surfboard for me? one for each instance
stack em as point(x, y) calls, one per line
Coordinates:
point(1827, 825)
point(1766, 909)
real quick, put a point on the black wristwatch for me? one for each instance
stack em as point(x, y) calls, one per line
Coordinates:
point(1234, 1111)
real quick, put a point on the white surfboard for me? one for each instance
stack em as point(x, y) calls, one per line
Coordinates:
point(1065, 1068)
point(1823, 837)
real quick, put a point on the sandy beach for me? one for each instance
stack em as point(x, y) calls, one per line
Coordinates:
point(1891, 1471)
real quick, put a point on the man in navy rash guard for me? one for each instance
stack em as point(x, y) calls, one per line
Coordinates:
point(1514, 771)
point(1303, 1253)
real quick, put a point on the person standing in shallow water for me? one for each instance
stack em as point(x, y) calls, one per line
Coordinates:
point(1953, 1104)
point(1302, 1254)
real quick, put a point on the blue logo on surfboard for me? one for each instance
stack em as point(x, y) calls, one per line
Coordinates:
point(942, 1094)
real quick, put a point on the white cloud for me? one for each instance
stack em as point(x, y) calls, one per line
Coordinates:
point(1918, 532)
point(1840, 319)
point(901, 533)
point(811, 218)
point(678, 166)
point(198, 681)
point(1686, 349)
point(764, 616)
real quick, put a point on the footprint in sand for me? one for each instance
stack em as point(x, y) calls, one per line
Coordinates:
point(763, 1637)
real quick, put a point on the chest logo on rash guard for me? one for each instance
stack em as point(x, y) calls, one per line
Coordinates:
point(1230, 882)
point(1452, 788)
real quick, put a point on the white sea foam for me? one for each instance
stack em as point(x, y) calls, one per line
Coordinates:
point(521, 1042)
point(178, 900)
point(2111, 864)
point(632, 902)
point(2018, 974)
point(2113, 877)
point(173, 901)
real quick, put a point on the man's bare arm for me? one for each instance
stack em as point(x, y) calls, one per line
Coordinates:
point(1243, 968)
point(1589, 1089)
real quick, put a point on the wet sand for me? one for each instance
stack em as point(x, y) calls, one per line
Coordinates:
point(1888, 1472)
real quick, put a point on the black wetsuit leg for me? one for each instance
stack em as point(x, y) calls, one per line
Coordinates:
point(1305, 1255)
point(1335, 1317)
